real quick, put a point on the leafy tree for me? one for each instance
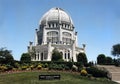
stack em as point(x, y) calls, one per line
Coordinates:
point(6, 57)
point(25, 58)
point(56, 55)
point(82, 58)
point(109, 60)
point(116, 50)
point(101, 59)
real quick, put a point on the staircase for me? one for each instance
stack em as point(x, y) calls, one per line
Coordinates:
point(114, 72)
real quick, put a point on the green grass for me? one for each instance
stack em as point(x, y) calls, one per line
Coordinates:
point(33, 78)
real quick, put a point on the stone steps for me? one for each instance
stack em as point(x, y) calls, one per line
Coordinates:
point(116, 76)
point(114, 72)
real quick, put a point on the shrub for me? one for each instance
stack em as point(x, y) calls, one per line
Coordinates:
point(83, 72)
point(14, 69)
point(39, 67)
point(66, 68)
point(96, 72)
point(32, 67)
point(81, 57)
point(78, 64)
point(89, 75)
point(60, 67)
point(24, 67)
point(45, 65)
point(56, 66)
point(69, 64)
point(9, 67)
point(16, 65)
point(3, 68)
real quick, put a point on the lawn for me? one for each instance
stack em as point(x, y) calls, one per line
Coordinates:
point(33, 78)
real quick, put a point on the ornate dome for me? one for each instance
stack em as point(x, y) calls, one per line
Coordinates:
point(56, 15)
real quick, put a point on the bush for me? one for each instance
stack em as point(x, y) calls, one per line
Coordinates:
point(117, 62)
point(32, 67)
point(89, 75)
point(51, 66)
point(24, 67)
point(14, 69)
point(45, 65)
point(83, 72)
point(66, 68)
point(3, 68)
point(39, 67)
point(16, 65)
point(69, 64)
point(56, 66)
point(9, 67)
point(60, 67)
point(96, 72)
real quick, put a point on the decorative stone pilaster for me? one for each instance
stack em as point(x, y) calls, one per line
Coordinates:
point(49, 52)
point(74, 52)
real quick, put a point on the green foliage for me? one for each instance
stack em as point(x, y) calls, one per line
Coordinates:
point(16, 65)
point(69, 64)
point(56, 55)
point(109, 60)
point(6, 57)
point(82, 58)
point(45, 65)
point(116, 50)
point(9, 67)
point(117, 62)
point(101, 59)
point(25, 58)
point(53, 66)
point(96, 72)
point(66, 67)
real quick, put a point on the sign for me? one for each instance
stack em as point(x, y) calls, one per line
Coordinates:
point(49, 77)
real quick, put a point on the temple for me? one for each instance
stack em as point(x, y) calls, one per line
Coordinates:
point(56, 31)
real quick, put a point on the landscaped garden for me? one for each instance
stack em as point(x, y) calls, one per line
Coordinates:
point(66, 78)
point(26, 71)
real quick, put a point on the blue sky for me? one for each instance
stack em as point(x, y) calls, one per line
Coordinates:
point(96, 21)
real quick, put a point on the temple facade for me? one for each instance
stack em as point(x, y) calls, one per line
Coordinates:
point(56, 31)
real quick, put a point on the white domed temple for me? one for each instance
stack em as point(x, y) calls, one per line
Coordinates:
point(56, 31)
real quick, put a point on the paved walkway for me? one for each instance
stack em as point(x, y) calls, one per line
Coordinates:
point(114, 72)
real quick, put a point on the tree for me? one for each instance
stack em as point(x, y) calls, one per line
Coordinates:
point(6, 57)
point(25, 58)
point(116, 50)
point(56, 55)
point(109, 60)
point(101, 59)
point(82, 58)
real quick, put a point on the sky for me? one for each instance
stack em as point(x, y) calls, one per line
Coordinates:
point(96, 21)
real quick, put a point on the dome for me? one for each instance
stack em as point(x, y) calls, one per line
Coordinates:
point(56, 15)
